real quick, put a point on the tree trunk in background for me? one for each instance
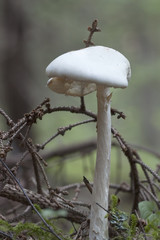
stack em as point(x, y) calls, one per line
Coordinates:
point(16, 71)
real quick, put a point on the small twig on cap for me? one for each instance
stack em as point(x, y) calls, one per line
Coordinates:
point(92, 30)
point(88, 43)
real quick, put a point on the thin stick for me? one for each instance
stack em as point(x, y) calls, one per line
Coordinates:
point(5, 235)
point(148, 168)
point(141, 225)
point(92, 30)
point(87, 183)
point(82, 106)
point(62, 130)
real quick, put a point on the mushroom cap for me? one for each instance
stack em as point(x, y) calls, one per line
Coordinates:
point(78, 72)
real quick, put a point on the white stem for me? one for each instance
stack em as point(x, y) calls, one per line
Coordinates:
point(98, 222)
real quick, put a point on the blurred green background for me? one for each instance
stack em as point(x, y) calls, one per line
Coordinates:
point(33, 33)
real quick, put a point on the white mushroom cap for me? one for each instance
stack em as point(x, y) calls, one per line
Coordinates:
point(78, 72)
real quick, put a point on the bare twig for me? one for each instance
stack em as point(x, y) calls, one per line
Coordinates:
point(141, 226)
point(92, 30)
point(82, 106)
point(146, 173)
point(134, 172)
point(157, 177)
point(6, 235)
point(62, 131)
point(150, 194)
point(87, 183)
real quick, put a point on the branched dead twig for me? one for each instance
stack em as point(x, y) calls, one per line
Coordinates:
point(150, 194)
point(92, 30)
point(62, 131)
point(156, 176)
point(146, 174)
point(134, 172)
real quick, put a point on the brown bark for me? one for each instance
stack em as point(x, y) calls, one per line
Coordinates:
point(16, 70)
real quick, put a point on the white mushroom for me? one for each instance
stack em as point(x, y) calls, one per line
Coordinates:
point(81, 72)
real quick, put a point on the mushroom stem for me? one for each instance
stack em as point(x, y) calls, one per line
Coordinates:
point(98, 222)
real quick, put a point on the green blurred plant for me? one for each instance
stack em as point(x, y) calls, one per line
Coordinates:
point(127, 227)
point(36, 231)
point(123, 225)
point(151, 214)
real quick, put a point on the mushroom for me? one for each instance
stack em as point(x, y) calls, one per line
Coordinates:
point(81, 72)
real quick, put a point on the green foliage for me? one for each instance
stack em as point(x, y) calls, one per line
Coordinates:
point(31, 229)
point(124, 227)
point(37, 207)
point(133, 224)
point(149, 211)
point(117, 218)
point(114, 202)
point(5, 226)
point(151, 214)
